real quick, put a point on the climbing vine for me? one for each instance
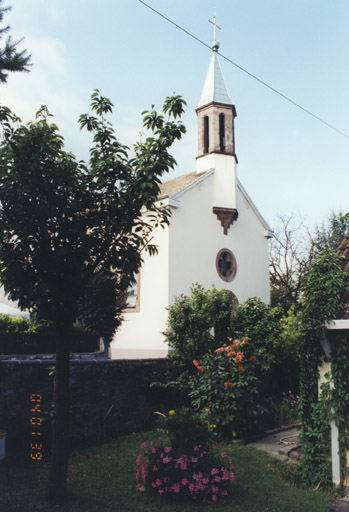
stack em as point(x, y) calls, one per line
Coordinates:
point(320, 305)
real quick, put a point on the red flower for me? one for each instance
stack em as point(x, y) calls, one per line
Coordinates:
point(240, 368)
point(230, 354)
point(239, 357)
point(252, 358)
point(246, 340)
point(228, 384)
point(220, 350)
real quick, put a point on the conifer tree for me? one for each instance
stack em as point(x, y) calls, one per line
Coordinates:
point(11, 58)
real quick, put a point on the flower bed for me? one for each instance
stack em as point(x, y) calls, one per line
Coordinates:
point(199, 475)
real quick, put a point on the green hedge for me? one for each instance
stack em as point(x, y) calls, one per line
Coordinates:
point(23, 336)
point(44, 342)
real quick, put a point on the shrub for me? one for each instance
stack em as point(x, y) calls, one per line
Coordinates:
point(197, 325)
point(278, 367)
point(228, 388)
point(20, 335)
point(185, 468)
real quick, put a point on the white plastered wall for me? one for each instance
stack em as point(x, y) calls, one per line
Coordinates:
point(139, 336)
point(196, 236)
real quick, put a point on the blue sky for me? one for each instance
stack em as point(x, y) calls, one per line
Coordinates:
point(288, 161)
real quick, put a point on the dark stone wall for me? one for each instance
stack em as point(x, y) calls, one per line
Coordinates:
point(96, 386)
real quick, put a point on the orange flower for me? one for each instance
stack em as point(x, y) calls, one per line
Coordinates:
point(239, 357)
point(252, 358)
point(246, 340)
point(220, 350)
point(228, 384)
point(236, 343)
point(196, 364)
point(228, 349)
point(230, 354)
point(240, 368)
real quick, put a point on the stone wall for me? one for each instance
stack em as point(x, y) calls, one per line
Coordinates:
point(96, 386)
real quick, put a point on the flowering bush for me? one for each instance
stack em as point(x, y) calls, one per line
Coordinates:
point(229, 388)
point(197, 324)
point(185, 466)
point(195, 475)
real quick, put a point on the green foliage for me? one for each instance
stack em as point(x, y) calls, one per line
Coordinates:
point(100, 308)
point(292, 331)
point(227, 389)
point(62, 221)
point(322, 293)
point(9, 323)
point(340, 396)
point(183, 466)
point(329, 235)
point(187, 429)
point(323, 289)
point(10, 58)
point(278, 366)
point(197, 325)
point(261, 323)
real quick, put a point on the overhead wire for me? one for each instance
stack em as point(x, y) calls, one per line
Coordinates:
point(287, 98)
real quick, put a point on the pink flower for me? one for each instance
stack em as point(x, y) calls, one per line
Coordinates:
point(223, 454)
point(144, 445)
point(194, 459)
point(214, 497)
point(166, 460)
point(153, 450)
point(184, 481)
point(155, 468)
point(214, 471)
point(196, 448)
point(167, 449)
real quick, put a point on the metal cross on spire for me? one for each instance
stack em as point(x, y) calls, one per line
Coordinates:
point(215, 26)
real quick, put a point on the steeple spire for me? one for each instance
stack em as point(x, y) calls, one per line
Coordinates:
point(216, 111)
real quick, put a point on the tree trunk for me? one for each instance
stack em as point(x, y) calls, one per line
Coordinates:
point(57, 491)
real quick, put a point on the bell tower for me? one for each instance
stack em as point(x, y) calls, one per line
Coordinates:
point(216, 140)
point(215, 110)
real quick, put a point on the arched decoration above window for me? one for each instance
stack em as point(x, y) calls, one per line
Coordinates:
point(233, 299)
point(206, 134)
point(226, 265)
point(222, 132)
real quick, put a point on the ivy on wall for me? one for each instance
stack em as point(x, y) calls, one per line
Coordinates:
point(320, 305)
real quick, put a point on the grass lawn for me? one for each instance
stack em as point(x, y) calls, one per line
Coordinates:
point(102, 479)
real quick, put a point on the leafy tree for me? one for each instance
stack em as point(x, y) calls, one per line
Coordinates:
point(61, 221)
point(100, 308)
point(11, 59)
point(329, 235)
point(293, 250)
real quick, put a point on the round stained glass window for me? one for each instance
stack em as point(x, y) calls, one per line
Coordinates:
point(226, 265)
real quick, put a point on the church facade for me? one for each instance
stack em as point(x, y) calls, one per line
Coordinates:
point(216, 234)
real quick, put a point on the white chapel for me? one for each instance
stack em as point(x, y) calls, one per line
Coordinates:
point(216, 234)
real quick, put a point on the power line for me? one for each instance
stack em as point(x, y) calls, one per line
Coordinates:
point(290, 100)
